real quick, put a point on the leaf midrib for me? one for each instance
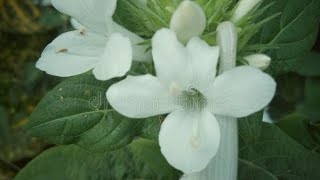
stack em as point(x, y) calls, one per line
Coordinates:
point(293, 21)
point(65, 117)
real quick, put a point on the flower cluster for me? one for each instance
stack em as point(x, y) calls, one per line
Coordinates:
point(187, 85)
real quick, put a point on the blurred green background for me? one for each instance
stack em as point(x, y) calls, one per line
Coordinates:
point(26, 28)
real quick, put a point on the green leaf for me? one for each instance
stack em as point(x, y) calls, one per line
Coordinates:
point(140, 160)
point(297, 126)
point(77, 112)
point(310, 65)
point(267, 153)
point(312, 99)
point(292, 34)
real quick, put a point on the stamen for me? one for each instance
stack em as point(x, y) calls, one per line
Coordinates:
point(174, 89)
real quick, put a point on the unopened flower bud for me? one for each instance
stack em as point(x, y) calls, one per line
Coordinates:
point(227, 40)
point(260, 61)
point(188, 20)
point(243, 8)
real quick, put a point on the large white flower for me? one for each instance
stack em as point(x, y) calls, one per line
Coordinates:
point(187, 88)
point(102, 45)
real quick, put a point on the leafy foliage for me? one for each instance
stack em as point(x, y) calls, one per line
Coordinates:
point(297, 126)
point(290, 35)
point(309, 65)
point(140, 160)
point(267, 153)
point(312, 99)
point(77, 112)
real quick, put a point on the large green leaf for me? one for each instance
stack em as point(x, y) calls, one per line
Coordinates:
point(140, 160)
point(310, 65)
point(77, 112)
point(297, 126)
point(292, 34)
point(267, 153)
point(312, 99)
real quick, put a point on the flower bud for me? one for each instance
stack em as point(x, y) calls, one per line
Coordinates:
point(188, 20)
point(227, 40)
point(243, 8)
point(260, 61)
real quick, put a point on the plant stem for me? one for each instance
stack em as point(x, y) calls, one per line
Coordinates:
point(225, 164)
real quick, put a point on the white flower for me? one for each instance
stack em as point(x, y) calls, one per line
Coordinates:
point(243, 8)
point(188, 20)
point(260, 61)
point(102, 45)
point(187, 89)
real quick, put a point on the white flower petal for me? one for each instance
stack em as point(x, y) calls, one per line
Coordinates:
point(116, 60)
point(76, 25)
point(140, 97)
point(170, 58)
point(189, 20)
point(240, 92)
point(71, 53)
point(204, 61)
point(139, 51)
point(189, 140)
point(94, 14)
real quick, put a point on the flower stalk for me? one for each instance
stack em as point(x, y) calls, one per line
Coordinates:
point(225, 163)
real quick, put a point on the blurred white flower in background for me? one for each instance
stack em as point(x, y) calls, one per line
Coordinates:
point(102, 45)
